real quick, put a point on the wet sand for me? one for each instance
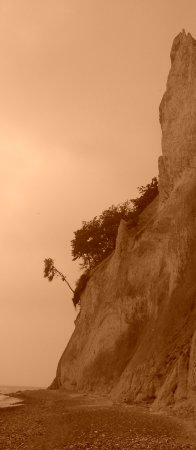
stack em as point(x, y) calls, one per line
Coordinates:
point(54, 420)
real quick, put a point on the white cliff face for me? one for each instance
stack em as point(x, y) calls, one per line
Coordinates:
point(134, 336)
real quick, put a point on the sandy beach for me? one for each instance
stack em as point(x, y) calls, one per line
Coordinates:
point(55, 420)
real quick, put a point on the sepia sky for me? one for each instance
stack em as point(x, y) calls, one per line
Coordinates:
point(80, 87)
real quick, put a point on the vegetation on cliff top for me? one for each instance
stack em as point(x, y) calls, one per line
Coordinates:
point(96, 239)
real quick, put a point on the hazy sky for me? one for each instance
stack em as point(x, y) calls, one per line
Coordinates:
point(80, 87)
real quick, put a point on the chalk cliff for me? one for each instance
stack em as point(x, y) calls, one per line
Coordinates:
point(135, 336)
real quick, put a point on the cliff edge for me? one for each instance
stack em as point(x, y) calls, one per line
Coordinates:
point(135, 335)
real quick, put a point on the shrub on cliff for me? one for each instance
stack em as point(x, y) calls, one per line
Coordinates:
point(147, 195)
point(80, 286)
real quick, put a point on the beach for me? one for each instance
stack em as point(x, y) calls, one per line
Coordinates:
point(57, 420)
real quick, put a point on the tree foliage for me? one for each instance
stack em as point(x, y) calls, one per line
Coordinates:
point(96, 239)
point(50, 271)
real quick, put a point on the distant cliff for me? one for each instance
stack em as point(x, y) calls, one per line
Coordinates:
point(135, 336)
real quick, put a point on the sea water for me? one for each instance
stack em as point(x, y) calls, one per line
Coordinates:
point(6, 401)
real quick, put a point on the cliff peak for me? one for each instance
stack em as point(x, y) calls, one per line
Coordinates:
point(183, 39)
point(178, 115)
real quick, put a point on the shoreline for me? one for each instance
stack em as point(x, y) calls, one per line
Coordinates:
point(8, 401)
point(59, 420)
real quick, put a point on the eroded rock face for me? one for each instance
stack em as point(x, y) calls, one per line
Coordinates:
point(135, 334)
point(192, 366)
